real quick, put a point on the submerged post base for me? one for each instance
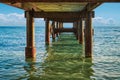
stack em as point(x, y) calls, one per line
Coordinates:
point(30, 52)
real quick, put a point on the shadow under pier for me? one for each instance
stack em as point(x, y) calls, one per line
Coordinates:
point(64, 61)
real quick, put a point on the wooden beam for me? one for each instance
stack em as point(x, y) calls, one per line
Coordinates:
point(77, 30)
point(88, 1)
point(67, 20)
point(91, 6)
point(88, 36)
point(56, 28)
point(57, 14)
point(64, 30)
point(30, 50)
point(53, 30)
point(25, 6)
point(80, 31)
point(61, 25)
point(60, 15)
point(47, 32)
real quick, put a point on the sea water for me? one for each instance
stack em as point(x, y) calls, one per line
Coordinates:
point(62, 59)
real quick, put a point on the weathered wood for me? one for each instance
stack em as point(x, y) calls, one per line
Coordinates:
point(90, 7)
point(74, 24)
point(88, 1)
point(75, 27)
point(47, 32)
point(80, 31)
point(88, 35)
point(70, 16)
point(57, 28)
point(60, 15)
point(53, 29)
point(64, 30)
point(66, 20)
point(77, 30)
point(60, 25)
point(30, 50)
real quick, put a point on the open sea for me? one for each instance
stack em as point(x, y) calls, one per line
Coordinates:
point(62, 60)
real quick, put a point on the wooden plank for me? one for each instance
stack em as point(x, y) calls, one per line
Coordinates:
point(88, 1)
point(24, 6)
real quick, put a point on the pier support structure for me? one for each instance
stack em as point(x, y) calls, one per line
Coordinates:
point(57, 28)
point(88, 35)
point(47, 32)
point(53, 30)
point(60, 25)
point(76, 29)
point(80, 31)
point(30, 50)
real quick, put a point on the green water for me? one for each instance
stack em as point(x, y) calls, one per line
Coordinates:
point(64, 61)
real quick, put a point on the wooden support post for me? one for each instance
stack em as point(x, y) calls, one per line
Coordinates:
point(61, 25)
point(47, 32)
point(88, 35)
point(77, 25)
point(57, 28)
point(74, 27)
point(53, 29)
point(30, 50)
point(80, 32)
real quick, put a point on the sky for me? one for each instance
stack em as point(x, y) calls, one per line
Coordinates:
point(107, 14)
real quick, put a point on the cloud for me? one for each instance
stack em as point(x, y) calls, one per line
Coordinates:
point(15, 19)
point(12, 19)
point(99, 21)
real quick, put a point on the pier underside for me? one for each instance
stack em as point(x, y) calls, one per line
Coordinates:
point(55, 13)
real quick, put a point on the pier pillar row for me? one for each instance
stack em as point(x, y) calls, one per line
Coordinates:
point(88, 35)
point(30, 50)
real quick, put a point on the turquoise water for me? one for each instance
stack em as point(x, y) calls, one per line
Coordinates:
point(63, 59)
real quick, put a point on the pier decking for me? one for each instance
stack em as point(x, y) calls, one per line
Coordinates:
point(78, 12)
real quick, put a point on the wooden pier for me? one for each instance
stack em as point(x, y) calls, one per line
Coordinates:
point(78, 12)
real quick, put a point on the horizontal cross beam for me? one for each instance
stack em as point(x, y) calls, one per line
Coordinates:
point(68, 20)
point(64, 30)
point(88, 1)
point(59, 15)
